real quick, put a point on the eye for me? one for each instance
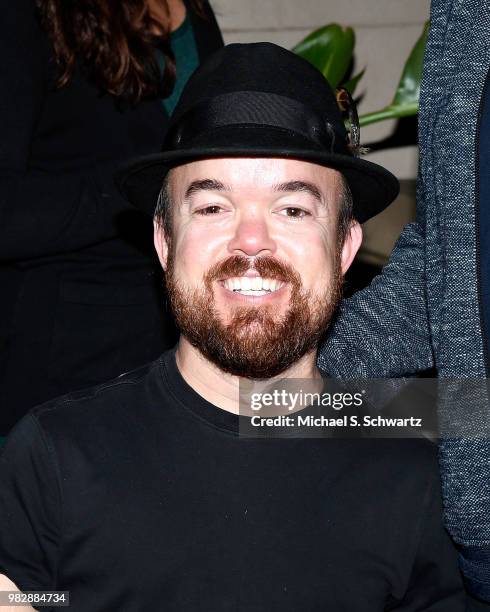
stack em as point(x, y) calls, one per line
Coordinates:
point(295, 212)
point(212, 209)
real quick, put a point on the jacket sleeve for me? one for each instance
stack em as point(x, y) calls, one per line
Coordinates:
point(41, 213)
point(383, 330)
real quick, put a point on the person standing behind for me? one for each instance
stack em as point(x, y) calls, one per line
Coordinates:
point(84, 85)
point(429, 308)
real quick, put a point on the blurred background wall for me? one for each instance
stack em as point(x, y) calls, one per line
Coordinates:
point(386, 31)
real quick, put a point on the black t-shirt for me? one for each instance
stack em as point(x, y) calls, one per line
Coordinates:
point(139, 495)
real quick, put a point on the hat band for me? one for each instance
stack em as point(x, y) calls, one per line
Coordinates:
point(256, 109)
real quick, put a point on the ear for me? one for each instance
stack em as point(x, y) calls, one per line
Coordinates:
point(160, 242)
point(351, 245)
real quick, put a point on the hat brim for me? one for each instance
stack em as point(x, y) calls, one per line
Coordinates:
point(373, 187)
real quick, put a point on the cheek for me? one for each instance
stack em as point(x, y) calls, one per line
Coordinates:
point(313, 255)
point(195, 251)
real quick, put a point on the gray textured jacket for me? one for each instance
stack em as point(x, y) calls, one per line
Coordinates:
point(424, 309)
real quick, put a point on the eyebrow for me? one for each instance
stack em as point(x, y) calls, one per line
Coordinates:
point(298, 186)
point(205, 185)
point(288, 187)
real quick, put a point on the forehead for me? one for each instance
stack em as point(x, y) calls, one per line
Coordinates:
point(253, 173)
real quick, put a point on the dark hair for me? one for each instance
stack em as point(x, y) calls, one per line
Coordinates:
point(114, 42)
point(346, 211)
point(163, 210)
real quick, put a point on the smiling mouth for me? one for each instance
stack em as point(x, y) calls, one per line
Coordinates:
point(252, 286)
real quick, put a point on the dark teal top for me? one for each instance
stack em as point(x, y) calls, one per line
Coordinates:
point(184, 46)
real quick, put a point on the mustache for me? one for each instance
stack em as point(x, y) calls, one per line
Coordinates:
point(266, 266)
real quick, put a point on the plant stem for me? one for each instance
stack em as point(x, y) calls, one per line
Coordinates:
point(390, 112)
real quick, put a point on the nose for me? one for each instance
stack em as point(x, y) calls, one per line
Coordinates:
point(252, 236)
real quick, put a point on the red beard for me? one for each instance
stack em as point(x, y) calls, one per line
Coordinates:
point(255, 343)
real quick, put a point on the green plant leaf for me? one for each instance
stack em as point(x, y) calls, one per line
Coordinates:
point(406, 100)
point(351, 84)
point(408, 90)
point(330, 50)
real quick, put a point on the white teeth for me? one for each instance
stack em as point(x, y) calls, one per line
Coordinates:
point(246, 283)
point(252, 285)
point(257, 283)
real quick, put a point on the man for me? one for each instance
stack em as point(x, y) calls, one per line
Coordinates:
point(139, 494)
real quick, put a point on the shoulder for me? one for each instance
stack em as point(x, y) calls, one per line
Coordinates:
point(101, 406)
point(400, 466)
point(408, 468)
point(417, 449)
point(395, 455)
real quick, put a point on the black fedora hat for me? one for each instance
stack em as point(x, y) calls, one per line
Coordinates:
point(258, 100)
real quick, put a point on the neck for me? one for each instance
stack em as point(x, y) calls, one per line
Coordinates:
point(175, 15)
point(220, 388)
